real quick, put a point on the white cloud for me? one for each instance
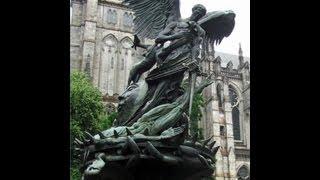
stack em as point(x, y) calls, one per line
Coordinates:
point(241, 32)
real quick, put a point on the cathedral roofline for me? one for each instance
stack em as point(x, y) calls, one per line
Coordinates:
point(226, 57)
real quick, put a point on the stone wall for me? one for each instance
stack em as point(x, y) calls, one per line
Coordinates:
point(101, 36)
point(218, 121)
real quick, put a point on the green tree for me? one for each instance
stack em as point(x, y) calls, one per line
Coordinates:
point(87, 113)
point(107, 120)
point(86, 105)
point(196, 114)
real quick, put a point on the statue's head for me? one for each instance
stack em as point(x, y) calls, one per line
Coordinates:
point(131, 100)
point(198, 11)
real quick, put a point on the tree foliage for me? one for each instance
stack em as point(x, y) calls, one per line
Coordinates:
point(87, 113)
point(196, 114)
point(86, 105)
point(107, 120)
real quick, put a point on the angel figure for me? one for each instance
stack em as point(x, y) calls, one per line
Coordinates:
point(152, 128)
point(176, 48)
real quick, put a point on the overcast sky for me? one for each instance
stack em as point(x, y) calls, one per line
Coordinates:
point(241, 31)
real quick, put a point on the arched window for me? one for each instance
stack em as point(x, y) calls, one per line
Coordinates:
point(130, 20)
point(112, 63)
point(122, 64)
point(87, 68)
point(109, 16)
point(243, 173)
point(107, 64)
point(219, 95)
point(114, 17)
point(126, 19)
point(235, 113)
point(126, 60)
point(236, 123)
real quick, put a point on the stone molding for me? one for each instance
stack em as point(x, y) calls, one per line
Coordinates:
point(114, 29)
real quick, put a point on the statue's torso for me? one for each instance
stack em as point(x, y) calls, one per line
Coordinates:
point(181, 26)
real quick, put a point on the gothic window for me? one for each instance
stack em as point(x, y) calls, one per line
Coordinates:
point(109, 16)
point(130, 19)
point(219, 89)
point(235, 113)
point(222, 131)
point(125, 16)
point(87, 68)
point(114, 17)
point(233, 97)
point(108, 60)
point(122, 64)
point(236, 123)
point(126, 19)
point(127, 43)
point(243, 173)
point(112, 63)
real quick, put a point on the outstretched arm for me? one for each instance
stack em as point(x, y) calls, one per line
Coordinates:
point(142, 66)
point(137, 43)
point(166, 34)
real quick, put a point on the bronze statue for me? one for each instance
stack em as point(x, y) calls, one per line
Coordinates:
point(152, 126)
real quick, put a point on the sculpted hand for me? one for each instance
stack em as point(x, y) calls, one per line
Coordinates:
point(136, 42)
point(192, 24)
point(131, 75)
point(134, 76)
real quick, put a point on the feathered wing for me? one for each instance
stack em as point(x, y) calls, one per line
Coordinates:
point(151, 16)
point(217, 24)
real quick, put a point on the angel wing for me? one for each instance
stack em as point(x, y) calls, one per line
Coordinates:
point(217, 24)
point(151, 16)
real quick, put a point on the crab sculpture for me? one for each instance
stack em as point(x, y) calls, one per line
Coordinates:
point(149, 139)
point(135, 155)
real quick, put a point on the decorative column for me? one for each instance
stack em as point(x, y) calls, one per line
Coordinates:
point(230, 159)
point(207, 120)
point(216, 131)
point(116, 70)
point(75, 35)
point(89, 36)
point(246, 102)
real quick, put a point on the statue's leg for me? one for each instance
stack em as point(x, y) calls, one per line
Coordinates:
point(157, 97)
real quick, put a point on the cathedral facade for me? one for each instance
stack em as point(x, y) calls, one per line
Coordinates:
point(101, 36)
point(226, 115)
